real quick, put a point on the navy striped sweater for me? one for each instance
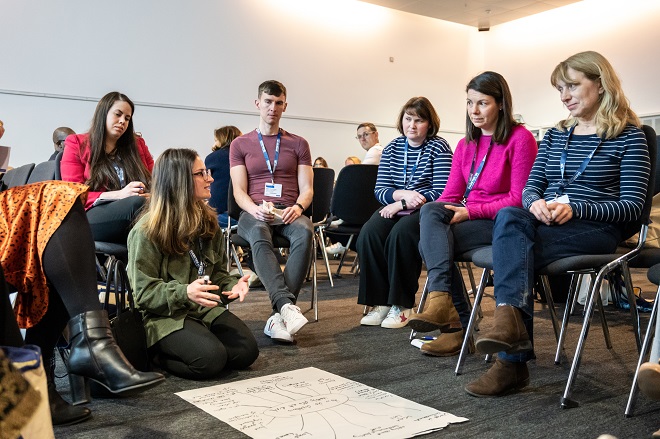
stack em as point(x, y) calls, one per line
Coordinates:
point(430, 176)
point(612, 188)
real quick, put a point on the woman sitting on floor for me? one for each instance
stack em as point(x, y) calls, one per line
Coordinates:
point(177, 267)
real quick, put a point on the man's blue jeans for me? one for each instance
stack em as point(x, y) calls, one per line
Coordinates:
point(522, 244)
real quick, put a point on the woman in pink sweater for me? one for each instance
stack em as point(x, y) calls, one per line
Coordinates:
point(488, 172)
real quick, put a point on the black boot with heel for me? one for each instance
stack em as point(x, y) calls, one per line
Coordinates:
point(95, 356)
point(61, 412)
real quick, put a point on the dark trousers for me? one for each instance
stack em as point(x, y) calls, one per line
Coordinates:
point(111, 222)
point(439, 242)
point(390, 263)
point(197, 352)
point(68, 262)
point(522, 245)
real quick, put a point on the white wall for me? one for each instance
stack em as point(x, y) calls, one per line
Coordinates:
point(333, 56)
point(526, 51)
point(213, 54)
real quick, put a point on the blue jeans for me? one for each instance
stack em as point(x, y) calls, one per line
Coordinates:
point(522, 244)
point(439, 242)
point(281, 286)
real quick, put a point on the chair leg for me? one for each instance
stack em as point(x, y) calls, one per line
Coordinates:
point(633, 305)
point(343, 256)
point(566, 401)
point(650, 334)
point(422, 300)
point(236, 260)
point(568, 310)
point(321, 239)
point(473, 317)
point(551, 306)
point(315, 291)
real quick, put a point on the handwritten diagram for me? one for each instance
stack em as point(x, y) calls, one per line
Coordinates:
point(312, 403)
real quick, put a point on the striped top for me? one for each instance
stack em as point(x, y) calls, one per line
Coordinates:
point(430, 175)
point(613, 186)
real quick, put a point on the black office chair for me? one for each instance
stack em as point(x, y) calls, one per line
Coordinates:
point(17, 176)
point(44, 171)
point(234, 240)
point(324, 181)
point(353, 201)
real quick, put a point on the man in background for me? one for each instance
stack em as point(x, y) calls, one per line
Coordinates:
point(367, 135)
point(59, 135)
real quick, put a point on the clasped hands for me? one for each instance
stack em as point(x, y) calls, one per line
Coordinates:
point(265, 212)
point(201, 292)
point(551, 213)
point(413, 199)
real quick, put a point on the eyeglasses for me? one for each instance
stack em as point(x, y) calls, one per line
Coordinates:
point(363, 135)
point(205, 174)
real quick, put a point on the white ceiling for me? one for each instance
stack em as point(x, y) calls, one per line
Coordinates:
point(481, 14)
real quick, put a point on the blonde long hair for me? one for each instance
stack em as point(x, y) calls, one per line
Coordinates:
point(614, 111)
point(176, 218)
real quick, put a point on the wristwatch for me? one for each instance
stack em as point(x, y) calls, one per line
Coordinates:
point(403, 204)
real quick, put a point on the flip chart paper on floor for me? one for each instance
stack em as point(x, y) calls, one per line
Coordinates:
point(312, 403)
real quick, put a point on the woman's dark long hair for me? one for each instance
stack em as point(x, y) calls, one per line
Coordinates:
point(102, 171)
point(492, 84)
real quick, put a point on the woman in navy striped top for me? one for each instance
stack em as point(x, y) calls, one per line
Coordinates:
point(588, 183)
point(413, 170)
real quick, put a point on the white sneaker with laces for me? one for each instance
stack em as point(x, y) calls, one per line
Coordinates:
point(276, 330)
point(335, 249)
point(293, 318)
point(396, 318)
point(375, 316)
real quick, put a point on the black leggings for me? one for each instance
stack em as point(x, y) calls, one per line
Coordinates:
point(197, 352)
point(69, 264)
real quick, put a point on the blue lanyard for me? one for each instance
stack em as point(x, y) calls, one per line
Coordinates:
point(405, 163)
point(201, 265)
point(472, 179)
point(277, 153)
point(563, 184)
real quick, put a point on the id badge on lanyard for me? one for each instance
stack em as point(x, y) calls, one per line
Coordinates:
point(271, 189)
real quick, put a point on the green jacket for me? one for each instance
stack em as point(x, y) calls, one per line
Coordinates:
point(160, 282)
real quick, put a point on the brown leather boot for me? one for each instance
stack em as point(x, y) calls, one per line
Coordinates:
point(649, 380)
point(503, 378)
point(439, 313)
point(507, 334)
point(447, 344)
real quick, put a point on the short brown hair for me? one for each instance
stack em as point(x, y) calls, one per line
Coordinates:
point(420, 107)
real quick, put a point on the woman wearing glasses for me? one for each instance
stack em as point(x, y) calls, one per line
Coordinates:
point(413, 170)
point(116, 165)
point(177, 266)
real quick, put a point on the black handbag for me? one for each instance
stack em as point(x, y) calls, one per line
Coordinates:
point(126, 322)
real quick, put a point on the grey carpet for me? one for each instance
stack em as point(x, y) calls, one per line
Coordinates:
point(384, 359)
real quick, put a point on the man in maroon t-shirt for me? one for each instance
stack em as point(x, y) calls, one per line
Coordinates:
point(271, 172)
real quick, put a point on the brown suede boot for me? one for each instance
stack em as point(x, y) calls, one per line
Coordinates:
point(499, 380)
point(507, 334)
point(649, 380)
point(447, 344)
point(438, 313)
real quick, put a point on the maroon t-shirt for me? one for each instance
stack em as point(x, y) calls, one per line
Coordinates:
point(294, 151)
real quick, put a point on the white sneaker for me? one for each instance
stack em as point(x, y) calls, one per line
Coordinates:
point(293, 318)
point(276, 330)
point(335, 249)
point(375, 316)
point(396, 318)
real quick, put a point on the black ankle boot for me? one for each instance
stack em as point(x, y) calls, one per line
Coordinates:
point(96, 356)
point(61, 412)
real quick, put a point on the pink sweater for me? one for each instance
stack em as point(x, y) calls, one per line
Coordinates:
point(502, 179)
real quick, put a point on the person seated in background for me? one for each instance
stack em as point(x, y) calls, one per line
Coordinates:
point(115, 163)
point(286, 184)
point(177, 266)
point(320, 163)
point(218, 164)
point(587, 184)
point(367, 135)
point(2, 128)
point(47, 256)
point(413, 170)
point(488, 172)
point(352, 160)
point(59, 136)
